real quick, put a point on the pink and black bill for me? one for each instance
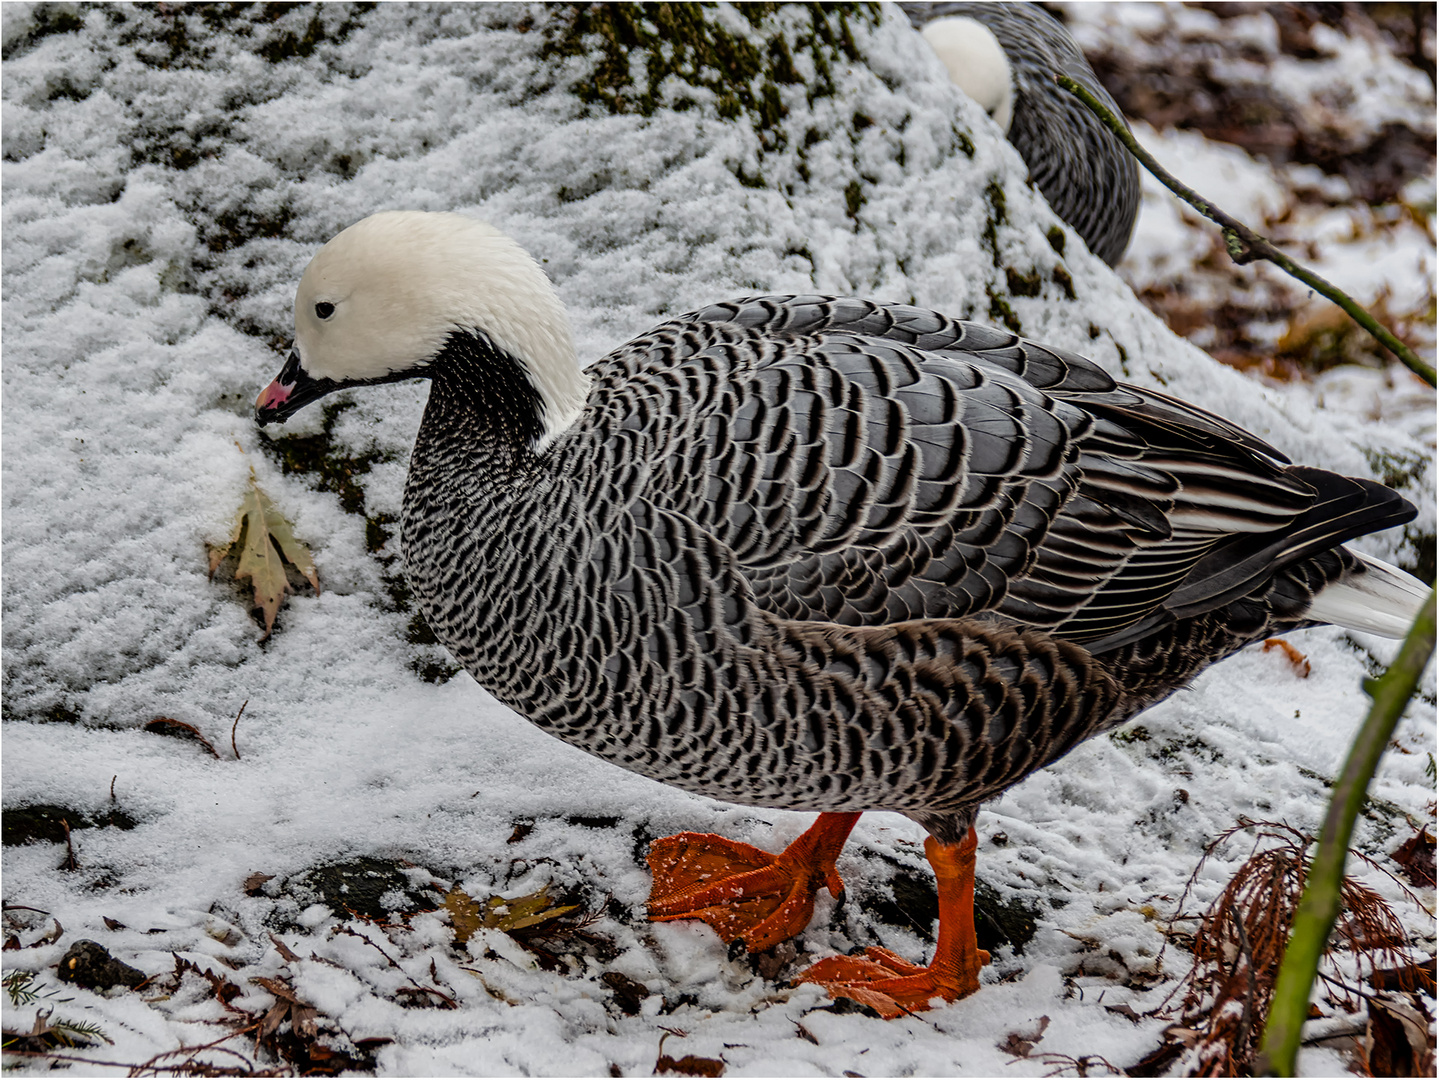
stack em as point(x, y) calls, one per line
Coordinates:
point(290, 392)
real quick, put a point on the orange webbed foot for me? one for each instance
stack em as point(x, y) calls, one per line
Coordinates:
point(744, 893)
point(891, 985)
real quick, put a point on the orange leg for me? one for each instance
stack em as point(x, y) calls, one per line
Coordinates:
point(741, 891)
point(891, 985)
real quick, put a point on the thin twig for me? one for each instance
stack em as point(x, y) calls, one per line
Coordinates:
point(1319, 907)
point(69, 863)
point(450, 1002)
point(152, 1065)
point(235, 727)
point(1251, 991)
point(1243, 243)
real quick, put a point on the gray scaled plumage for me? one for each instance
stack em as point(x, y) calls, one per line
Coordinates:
point(814, 552)
point(1084, 172)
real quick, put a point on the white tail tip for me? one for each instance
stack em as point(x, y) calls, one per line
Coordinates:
point(1376, 598)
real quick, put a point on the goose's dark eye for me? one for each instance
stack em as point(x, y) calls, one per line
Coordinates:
point(324, 309)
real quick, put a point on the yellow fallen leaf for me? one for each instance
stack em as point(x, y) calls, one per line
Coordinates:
point(464, 914)
point(501, 913)
point(269, 543)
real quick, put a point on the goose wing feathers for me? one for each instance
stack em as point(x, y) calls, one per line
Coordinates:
point(869, 464)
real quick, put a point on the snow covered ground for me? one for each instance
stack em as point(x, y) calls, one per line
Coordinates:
point(1294, 89)
point(167, 174)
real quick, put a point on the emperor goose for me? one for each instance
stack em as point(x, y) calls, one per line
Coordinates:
point(1005, 57)
point(815, 553)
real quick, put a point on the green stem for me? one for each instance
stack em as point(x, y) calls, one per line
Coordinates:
point(1243, 243)
point(1319, 906)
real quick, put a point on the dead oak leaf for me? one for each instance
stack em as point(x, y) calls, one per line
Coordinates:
point(268, 542)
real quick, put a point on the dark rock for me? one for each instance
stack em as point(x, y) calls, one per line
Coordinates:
point(88, 964)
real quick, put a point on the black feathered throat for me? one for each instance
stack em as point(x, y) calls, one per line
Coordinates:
point(471, 371)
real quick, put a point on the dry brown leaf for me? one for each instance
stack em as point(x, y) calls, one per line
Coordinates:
point(689, 1065)
point(255, 882)
point(1019, 1044)
point(286, 953)
point(1125, 1010)
point(628, 994)
point(1416, 859)
point(1397, 1040)
point(281, 990)
point(1297, 660)
point(269, 543)
point(464, 914)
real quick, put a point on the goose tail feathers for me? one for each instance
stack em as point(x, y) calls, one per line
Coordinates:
point(1373, 597)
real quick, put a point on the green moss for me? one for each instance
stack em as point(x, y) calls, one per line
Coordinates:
point(636, 49)
point(1061, 277)
point(962, 142)
point(1418, 556)
point(435, 671)
point(236, 227)
point(365, 887)
point(913, 903)
point(288, 45)
point(1023, 284)
point(62, 714)
point(276, 32)
point(378, 532)
point(1394, 469)
point(998, 204)
point(1055, 236)
point(1183, 746)
point(1000, 311)
point(998, 215)
point(853, 198)
point(419, 632)
point(1187, 746)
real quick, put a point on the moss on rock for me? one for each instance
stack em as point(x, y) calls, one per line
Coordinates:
point(652, 56)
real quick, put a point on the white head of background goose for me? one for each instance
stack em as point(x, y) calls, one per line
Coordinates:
point(976, 64)
point(386, 298)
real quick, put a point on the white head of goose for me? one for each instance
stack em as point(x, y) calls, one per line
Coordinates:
point(395, 293)
point(816, 553)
